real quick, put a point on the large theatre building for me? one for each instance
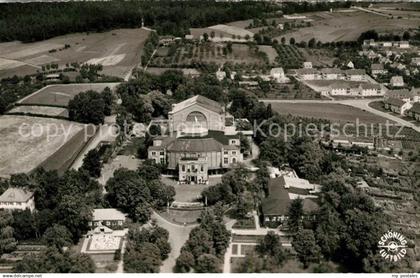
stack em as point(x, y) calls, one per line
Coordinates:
point(202, 141)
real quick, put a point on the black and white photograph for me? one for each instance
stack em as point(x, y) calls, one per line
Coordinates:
point(188, 137)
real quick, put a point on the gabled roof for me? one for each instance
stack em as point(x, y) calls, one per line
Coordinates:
point(199, 100)
point(415, 108)
point(194, 145)
point(367, 86)
point(377, 67)
point(399, 94)
point(355, 72)
point(278, 200)
point(331, 71)
point(108, 214)
point(15, 194)
point(398, 79)
point(395, 102)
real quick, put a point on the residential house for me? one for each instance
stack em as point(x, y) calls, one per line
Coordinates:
point(307, 74)
point(378, 69)
point(402, 94)
point(275, 207)
point(415, 61)
point(356, 74)
point(109, 217)
point(397, 106)
point(414, 112)
point(307, 65)
point(331, 73)
point(15, 198)
point(370, 89)
point(277, 74)
point(397, 81)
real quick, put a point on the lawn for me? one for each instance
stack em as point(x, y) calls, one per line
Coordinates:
point(336, 113)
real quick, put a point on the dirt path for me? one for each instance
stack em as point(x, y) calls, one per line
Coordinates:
point(178, 235)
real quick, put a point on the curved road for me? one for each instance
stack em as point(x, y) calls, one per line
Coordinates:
point(362, 104)
point(178, 235)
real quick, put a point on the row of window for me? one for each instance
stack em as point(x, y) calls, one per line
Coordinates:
point(11, 203)
point(161, 153)
point(107, 223)
point(227, 152)
point(193, 168)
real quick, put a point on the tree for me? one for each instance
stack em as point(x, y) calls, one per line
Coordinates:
point(127, 190)
point(142, 213)
point(311, 43)
point(271, 246)
point(53, 261)
point(58, 236)
point(206, 37)
point(149, 170)
point(75, 214)
point(87, 107)
point(306, 248)
point(24, 225)
point(212, 34)
point(108, 98)
point(207, 263)
point(185, 262)
point(406, 36)
point(7, 241)
point(292, 41)
point(92, 163)
point(144, 259)
point(295, 214)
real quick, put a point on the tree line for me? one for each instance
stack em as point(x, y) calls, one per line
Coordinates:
point(19, 22)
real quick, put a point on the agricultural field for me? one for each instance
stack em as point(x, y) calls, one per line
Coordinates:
point(336, 113)
point(224, 32)
point(318, 57)
point(60, 95)
point(188, 54)
point(270, 51)
point(39, 110)
point(118, 51)
point(28, 142)
point(289, 56)
point(347, 25)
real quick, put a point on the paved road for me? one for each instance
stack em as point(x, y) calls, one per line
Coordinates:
point(106, 133)
point(357, 103)
point(178, 235)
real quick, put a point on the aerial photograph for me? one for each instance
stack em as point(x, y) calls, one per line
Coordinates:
point(184, 137)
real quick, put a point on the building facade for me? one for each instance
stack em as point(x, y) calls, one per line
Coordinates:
point(17, 199)
point(202, 141)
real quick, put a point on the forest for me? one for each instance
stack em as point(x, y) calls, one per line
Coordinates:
point(19, 22)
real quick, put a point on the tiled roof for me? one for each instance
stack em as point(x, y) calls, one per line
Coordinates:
point(278, 201)
point(377, 67)
point(200, 100)
point(331, 71)
point(194, 145)
point(355, 72)
point(395, 102)
point(14, 194)
point(400, 94)
point(108, 214)
point(415, 108)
